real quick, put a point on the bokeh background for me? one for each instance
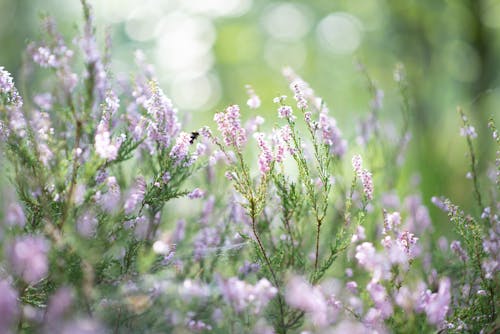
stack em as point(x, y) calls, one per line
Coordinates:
point(205, 51)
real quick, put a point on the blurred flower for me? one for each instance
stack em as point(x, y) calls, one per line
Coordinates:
point(301, 295)
point(28, 258)
point(6, 82)
point(242, 295)
point(9, 306)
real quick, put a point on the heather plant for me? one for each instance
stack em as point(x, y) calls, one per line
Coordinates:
point(294, 230)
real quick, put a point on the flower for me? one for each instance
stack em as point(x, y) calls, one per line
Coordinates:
point(6, 82)
point(28, 258)
point(253, 101)
point(228, 123)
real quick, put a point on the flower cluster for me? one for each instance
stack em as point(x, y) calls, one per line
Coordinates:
point(117, 218)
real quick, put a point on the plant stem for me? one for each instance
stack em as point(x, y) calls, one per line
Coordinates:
point(268, 262)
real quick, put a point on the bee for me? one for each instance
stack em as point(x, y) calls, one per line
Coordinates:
point(194, 135)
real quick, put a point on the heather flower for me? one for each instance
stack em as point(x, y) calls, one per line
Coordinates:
point(253, 124)
point(44, 101)
point(347, 326)
point(357, 164)
point(366, 180)
point(265, 156)
point(15, 215)
point(352, 286)
point(301, 295)
point(9, 306)
point(180, 231)
point(59, 305)
point(468, 131)
point(299, 95)
point(253, 101)
point(86, 225)
point(28, 258)
point(83, 326)
point(163, 125)
point(377, 264)
point(304, 89)
point(228, 123)
point(196, 193)
point(331, 134)
point(248, 268)
point(104, 147)
point(110, 199)
point(380, 299)
point(6, 82)
point(418, 219)
point(408, 244)
point(180, 150)
point(391, 221)
point(359, 235)
point(135, 196)
point(456, 247)
point(198, 326)
point(242, 295)
point(43, 56)
point(205, 242)
point(491, 246)
point(208, 209)
point(436, 305)
point(17, 122)
point(285, 112)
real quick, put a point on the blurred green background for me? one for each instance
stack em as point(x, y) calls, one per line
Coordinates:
point(205, 51)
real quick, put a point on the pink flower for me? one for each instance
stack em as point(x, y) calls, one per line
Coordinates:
point(228, 123)
point(196, 193)
point(28, 258)
point(265, 156)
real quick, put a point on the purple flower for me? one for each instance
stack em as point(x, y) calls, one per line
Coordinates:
point(163, 125)
point(437, 304)
point(86, 225)
point(331, 134)
point(468, 131)
point(180, 150)
point(301, 295)
point(104, 147)
point(242, 295)
point(285, 112)
point(9, 306)
point(253, 101)
point(109, 200)
point(228, 123)
point(419, 219)
point(265, 156)
point(136, 195)
point(28, 258)
point(253, 124)
point(366, 180)
point(380, 298)
point(206, 241)
point(456, 247)
point(299, 95)
point(59, 305)
point(248, 268)
point(44, 57)
point(391, 222)
point(196, 193)
point(6, 82)
point(180, 231)
point(15, 215)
